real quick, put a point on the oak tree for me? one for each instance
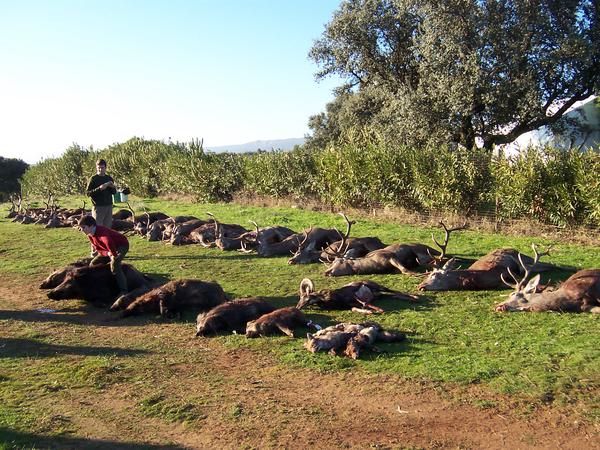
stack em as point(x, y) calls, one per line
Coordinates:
point(422, 71)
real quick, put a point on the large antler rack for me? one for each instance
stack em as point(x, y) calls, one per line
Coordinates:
point(244, 236)
point(303, 242)
point(343, 247)
point(446, 238)
point(519, 284)
point(217, 228)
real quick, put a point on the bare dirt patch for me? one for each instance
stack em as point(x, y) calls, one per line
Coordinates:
point(163, 388)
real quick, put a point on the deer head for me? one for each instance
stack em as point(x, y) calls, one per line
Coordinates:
point(519, 285)
point(342, 248)
point(307, 294)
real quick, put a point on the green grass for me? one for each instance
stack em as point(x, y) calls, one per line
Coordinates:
point(452, 337)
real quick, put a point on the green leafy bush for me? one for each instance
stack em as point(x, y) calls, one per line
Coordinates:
point(360, 170)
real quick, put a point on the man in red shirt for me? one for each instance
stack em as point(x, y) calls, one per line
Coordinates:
point(109, 243)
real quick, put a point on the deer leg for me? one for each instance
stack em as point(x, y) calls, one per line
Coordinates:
point(595, 310)
point(286, 330)
point(408, 297)
point(362, 310)
point(398, 265)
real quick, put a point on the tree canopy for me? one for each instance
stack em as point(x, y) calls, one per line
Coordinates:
point(423, 71)
point(11, 170)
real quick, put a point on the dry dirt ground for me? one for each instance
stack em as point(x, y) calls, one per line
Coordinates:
point(246, 399)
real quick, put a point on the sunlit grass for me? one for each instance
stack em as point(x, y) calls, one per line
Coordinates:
point(451, 337)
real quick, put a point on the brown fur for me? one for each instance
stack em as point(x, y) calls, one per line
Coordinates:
point(310, 249)
point(231, 316)
point(95, 284)
point(579, 293)
point(58, 276)
point(177, 296)
point(485, 273)
point(350, 296)
point(355, 248)
point(402, 258)
point(283, 320)
point(350, 337)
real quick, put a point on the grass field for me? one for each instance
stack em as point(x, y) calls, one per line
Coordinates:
point(454, 338)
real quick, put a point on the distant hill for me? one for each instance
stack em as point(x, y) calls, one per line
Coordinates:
point(273, 144)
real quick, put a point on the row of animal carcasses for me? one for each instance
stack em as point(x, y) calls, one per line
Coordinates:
point(253, 316)
point(347, 256)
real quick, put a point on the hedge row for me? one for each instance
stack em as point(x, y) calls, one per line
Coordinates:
point(556, 187)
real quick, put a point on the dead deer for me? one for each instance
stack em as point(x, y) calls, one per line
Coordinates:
point(142, 222)
point(203, 235)
point(228, 236)
point(351, 338)
point(402, 258)
point(579, 293)
point(282, 248)
point(181, 231)
point(262, 238)
point(485, 273)
point(314, 241)
point(356, 296)
point(349, 247)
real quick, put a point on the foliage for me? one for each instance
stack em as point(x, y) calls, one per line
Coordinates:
point(360, 170)
point(281, 174)
point(66, 175)
point(11, 170)
point(456, 70)
point(548, 184)
point(206, 176)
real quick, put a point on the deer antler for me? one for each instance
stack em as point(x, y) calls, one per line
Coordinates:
point(446, 237)
point(132, 213)
point(519, 284)
point(49, 200)
point(438, 259)
point(244, 236)
point(217, 228)
point(13, 205)
point(343, 247)
point(306, 235)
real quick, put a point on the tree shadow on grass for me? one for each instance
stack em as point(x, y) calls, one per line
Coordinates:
point(26, 348)
point(19, 439)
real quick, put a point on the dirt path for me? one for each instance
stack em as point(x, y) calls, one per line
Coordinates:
point(244, 399)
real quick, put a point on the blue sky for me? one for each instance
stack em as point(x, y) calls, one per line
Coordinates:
point(98, 72)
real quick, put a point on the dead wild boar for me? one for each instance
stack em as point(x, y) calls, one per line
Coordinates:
point(177, 296)
point(283, 320)
point(231, 316)
point(95, 284)
point(58, 276)
point(127, 299)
